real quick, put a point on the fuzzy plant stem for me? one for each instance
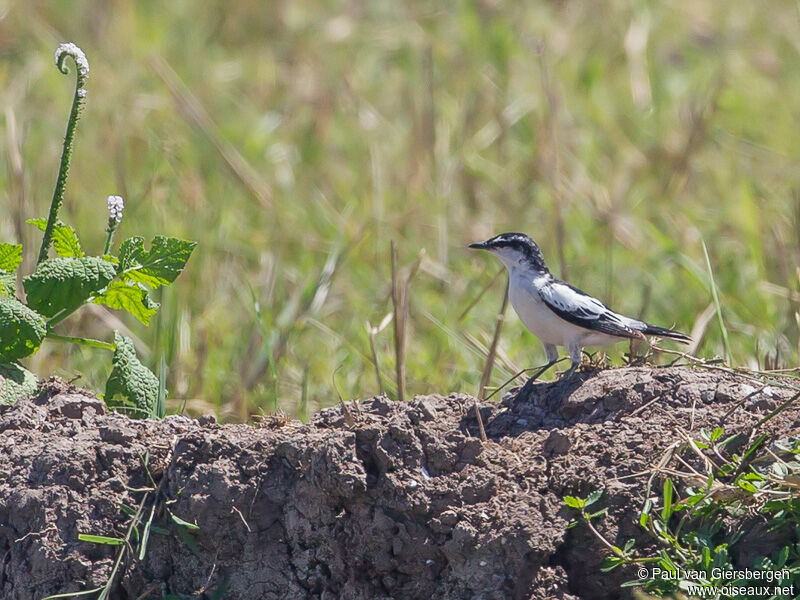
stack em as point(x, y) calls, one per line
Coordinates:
point(82, 68)
point(109, 239)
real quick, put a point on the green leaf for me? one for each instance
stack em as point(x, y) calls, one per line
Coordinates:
point(593, 497)
point(100, 539)
point(131, 297)
point(667, 510)
point(749, 487)
point(780, 470)
point(666, 562)
point(66, 243)
point(648, 504)
point(705, 553)
point(187, 538)
point(695, 498)
point(574, 502)
point(63, 284)
point(21, 329)
point(146, 532)
point(182, 523)
point(10, 257)
point(159, 266)
point(755, 445)
point(65, 239)
point(8, 283)
point(131, 388)
point(610, 563)
point(16, 383)
point(781, 556)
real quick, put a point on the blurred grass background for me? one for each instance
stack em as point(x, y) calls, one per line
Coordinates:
point(294, 139)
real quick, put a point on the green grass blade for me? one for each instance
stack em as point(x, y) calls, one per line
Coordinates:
point(161, 403)
point(100, 539)
point(666, 512)
point(73, 594)
point(717, 305)
point(146, 532)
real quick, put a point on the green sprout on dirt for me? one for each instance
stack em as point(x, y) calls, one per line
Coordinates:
point(143, 521)
point(61, 285)
point(714, 490)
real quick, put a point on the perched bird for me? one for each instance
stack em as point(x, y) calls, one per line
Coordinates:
point(556, 312)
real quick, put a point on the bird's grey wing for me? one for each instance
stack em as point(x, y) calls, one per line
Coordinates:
point(579, 308)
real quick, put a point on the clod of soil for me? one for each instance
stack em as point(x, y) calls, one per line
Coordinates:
point(384, 500)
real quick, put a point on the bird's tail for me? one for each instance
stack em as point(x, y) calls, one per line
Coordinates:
point(666, 333)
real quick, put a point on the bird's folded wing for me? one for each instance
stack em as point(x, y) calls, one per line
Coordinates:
point(577, 307)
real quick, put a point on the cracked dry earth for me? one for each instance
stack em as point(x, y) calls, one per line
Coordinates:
point(386, 500)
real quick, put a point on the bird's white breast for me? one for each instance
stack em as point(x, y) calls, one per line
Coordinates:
point(540, 320)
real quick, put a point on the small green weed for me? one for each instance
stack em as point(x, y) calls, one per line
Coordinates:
point(706, 502)
point(59, 286)
point(137, 534)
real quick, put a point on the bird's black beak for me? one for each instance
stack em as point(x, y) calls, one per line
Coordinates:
point(478, 246)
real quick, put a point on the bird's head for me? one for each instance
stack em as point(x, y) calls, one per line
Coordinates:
point(515, 250)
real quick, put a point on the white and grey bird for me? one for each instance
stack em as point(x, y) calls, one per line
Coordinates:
point(556, 312)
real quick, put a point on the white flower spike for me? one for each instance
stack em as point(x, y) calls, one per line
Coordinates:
point(115, 206)
point(70, 49)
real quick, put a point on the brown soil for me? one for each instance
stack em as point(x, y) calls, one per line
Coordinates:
point(386, 500)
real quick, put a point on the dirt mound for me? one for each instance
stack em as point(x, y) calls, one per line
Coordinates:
point(383, 500)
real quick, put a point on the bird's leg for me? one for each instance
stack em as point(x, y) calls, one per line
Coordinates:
point(552, 358)
point(574, 356)
point(552, 353)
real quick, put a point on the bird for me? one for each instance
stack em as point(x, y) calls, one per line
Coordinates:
point(558, 313)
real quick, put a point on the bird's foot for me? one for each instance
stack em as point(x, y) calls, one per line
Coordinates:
point(526, 389)
point(567, 375)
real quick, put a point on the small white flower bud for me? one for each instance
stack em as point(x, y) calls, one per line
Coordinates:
point(115, 206)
